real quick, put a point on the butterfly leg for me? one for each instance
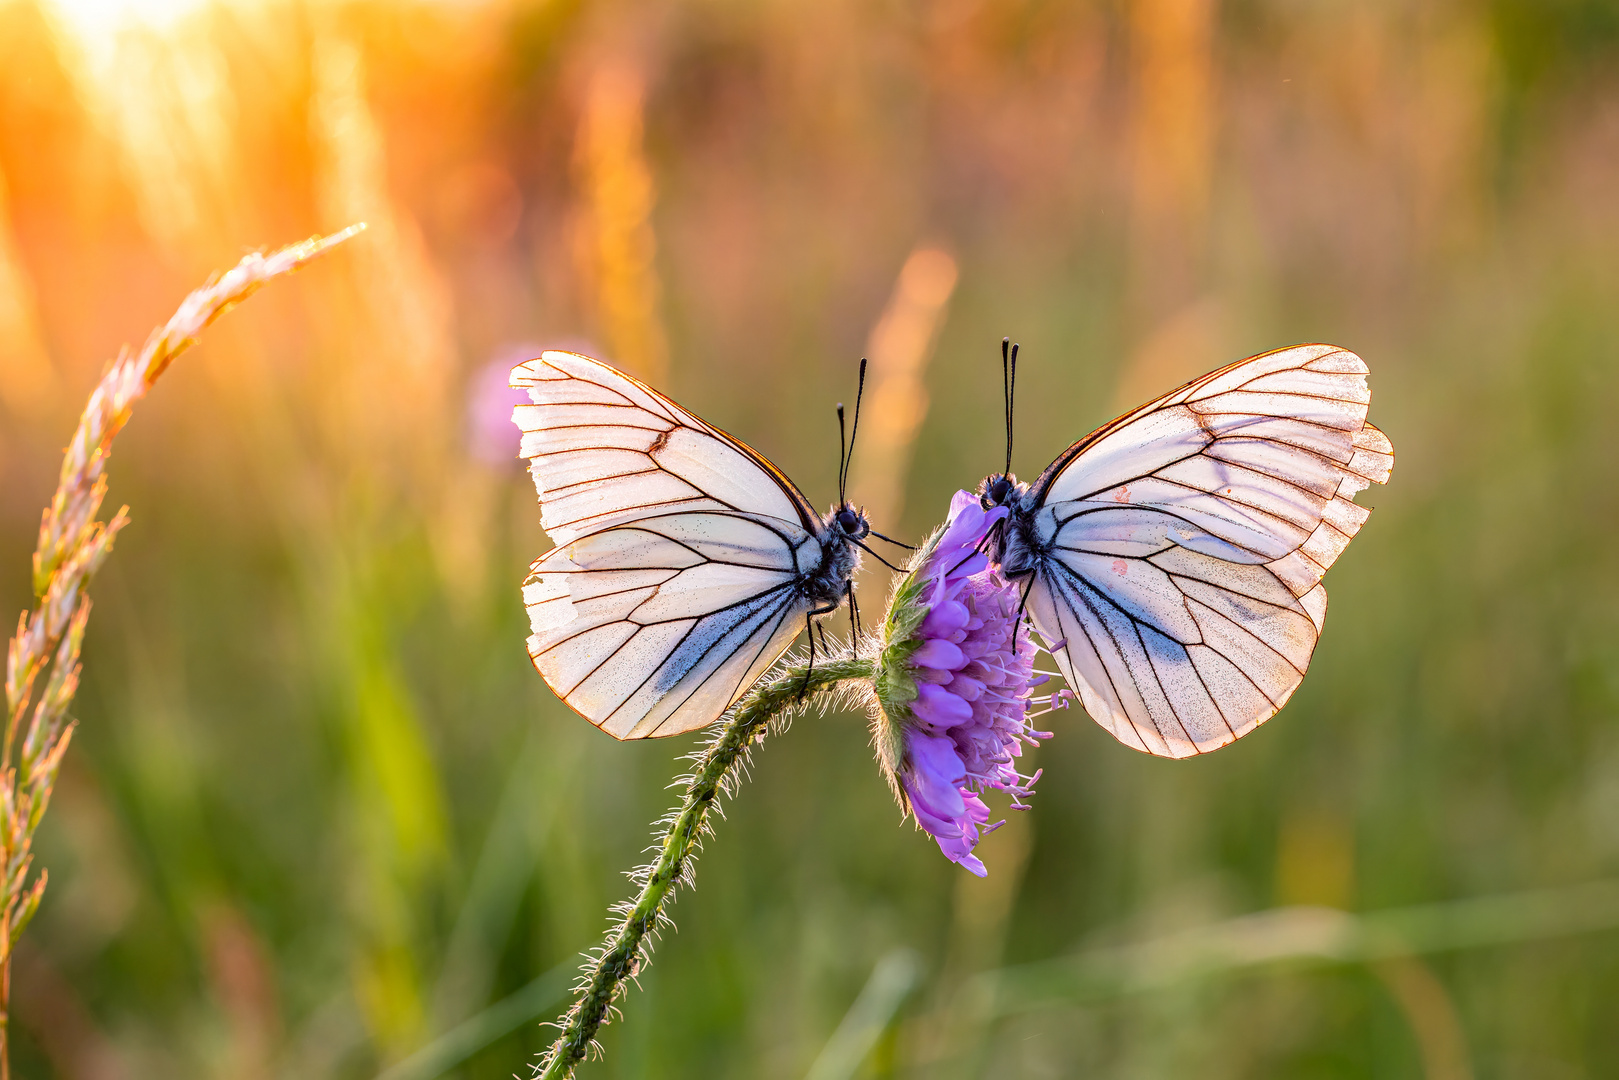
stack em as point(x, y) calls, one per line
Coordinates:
point(1022, 604)
point(993, 540)
point(809, 628)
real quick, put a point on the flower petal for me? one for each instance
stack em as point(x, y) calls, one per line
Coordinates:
point(965, 566)
point(940, 828)
point(970, 863)
point(965, 687)
point(939, 706)
point(936, 756)
point(944, 619)
point(939, 653)
point(934, 784)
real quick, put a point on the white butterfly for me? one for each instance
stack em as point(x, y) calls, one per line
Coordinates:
point(1175, 555)
point(685, 562)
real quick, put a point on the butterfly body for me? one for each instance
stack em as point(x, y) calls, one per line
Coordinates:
point(1173, 557)
point(685, 564)
point(841, 531)
point(1018, 549)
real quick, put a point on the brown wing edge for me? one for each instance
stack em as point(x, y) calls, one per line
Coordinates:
point(1300, 571)
point(1046, 478)
point(806, 510)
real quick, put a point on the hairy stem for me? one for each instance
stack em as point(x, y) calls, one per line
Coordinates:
point(621, 954)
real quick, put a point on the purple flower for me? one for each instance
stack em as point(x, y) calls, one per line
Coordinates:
point(492, 438)
point(954, 683)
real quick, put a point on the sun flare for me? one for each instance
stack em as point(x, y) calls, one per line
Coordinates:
point(102, 19)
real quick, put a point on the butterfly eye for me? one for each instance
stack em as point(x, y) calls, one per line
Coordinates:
point(996, 492)
point(848, 520)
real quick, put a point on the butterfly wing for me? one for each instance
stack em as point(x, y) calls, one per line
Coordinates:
point(657, 626)
point(1183, 545)
point(674, 583)
point(604, 448)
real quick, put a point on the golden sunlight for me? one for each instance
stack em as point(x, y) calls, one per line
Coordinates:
point(100, 19)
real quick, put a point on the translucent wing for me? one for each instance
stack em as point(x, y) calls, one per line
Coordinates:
point(656, 627)
point(1183, 545)
point(605, 449)
point(675, 580)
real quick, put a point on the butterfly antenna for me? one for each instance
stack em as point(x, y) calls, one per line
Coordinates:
point(843, 453)
point(891, 540)
point(854, 431)
point(1009, 393)
point(1011, 410)
point(1006, 390)
point(876, 556)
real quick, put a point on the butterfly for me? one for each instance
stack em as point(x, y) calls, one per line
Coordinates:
point(1173, 557)
point(685, 562)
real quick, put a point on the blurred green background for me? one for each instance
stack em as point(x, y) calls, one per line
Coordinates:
point(320, 810)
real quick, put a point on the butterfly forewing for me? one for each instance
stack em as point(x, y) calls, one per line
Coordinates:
point(676, 579)
point(1182, 545)
point(604, 449)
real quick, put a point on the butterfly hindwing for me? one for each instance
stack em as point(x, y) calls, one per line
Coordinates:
point(1181, 547)
point(655, 627)
point(676, 579)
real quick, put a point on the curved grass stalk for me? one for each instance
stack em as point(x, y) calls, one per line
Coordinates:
point(716, 774)
point(72, 546)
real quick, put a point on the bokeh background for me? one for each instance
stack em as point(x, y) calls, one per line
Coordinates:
point(320, 811)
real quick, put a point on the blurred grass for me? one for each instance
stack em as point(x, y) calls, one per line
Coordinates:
point(320, 810)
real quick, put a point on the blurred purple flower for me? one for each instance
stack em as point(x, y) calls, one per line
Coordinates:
point(954, 684)
point(492, 438)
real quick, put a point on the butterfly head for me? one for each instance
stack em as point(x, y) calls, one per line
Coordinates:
point(849, 521)
point(999, 489)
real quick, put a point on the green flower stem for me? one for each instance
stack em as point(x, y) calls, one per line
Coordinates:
point(621, 954)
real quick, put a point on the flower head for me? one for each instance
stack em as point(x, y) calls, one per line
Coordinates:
point(954, 683)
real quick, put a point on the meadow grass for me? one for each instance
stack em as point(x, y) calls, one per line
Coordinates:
point(321, 815)
point(73, 544)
